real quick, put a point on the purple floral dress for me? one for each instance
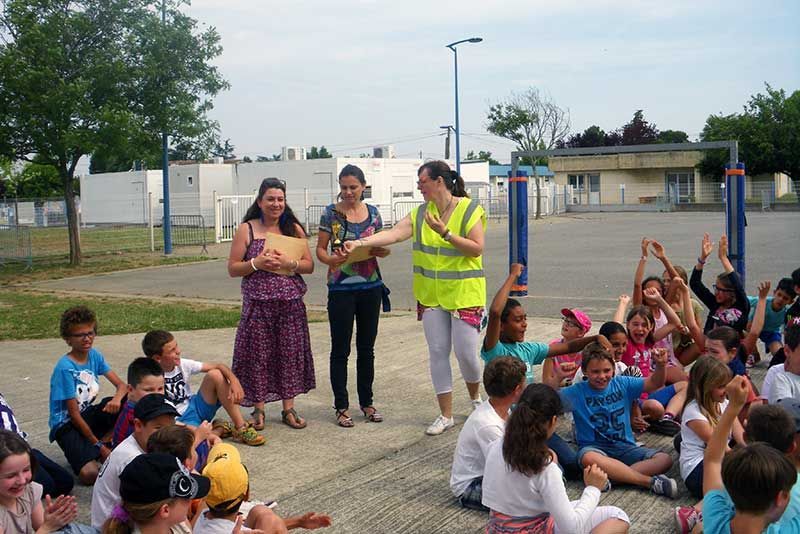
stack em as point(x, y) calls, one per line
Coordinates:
point(272, 353)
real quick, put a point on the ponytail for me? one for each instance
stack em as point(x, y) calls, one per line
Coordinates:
point(452, 181)
point(456, 185)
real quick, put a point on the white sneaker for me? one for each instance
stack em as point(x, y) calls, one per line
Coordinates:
point(441, 424)
point(476, 402)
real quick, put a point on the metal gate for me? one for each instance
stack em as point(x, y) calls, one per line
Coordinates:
point(229, 211)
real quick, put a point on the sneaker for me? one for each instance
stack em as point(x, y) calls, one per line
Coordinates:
point(686, 518)
point(441, 424)
point(666, 426)
point(249, 436)
point(663, 485)
point(476, 402)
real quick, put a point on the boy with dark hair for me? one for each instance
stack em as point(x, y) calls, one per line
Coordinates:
point(504, 380)
point(145, 376)
point(230, 487)
point(220, 388)
point(792, 317)
point(786, 383)
point(748, 488)
point(775, 314)
point(76, 424)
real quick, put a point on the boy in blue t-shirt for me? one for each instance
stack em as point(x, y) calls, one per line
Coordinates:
point(76, 424)
point(775, 314)
point(601, 407)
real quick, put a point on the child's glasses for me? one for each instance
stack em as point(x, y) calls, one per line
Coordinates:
point(722, 289)
point(84, 335)
point(570, 322)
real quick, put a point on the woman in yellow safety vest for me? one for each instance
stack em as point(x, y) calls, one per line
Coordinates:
point(449, 284)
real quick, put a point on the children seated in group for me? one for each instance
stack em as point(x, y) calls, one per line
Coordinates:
point(145, 376)
point(230, 488)
point(219, 388)
point(156, 492)
point(785, 380)
point(21, 506)
point(601, 408)
point(79, 426)
point(748, 488)
point(574, 325)
point(503, 380)
point(523, 485)
point(728, 304)
point(151, 413)
point(54, 479)
point(792, 316)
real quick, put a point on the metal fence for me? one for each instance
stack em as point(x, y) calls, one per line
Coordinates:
point(188, 230)
point(15, 245)
point(36, 212)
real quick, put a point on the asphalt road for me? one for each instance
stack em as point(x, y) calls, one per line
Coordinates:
point(581, 260)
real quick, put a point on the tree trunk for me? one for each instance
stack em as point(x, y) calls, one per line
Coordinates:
point(538, 197)
point(73, 227)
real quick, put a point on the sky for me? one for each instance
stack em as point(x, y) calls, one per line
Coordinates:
point(353, 74)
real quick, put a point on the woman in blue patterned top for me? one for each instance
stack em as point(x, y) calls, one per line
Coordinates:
point(355, 291)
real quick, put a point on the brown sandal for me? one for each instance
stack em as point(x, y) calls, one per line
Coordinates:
point(344, 420)
point(372, 414)
point(294, 422)
point(259, 418)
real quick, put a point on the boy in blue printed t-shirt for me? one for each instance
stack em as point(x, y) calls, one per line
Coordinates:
point(601, 407)
point(77, 424)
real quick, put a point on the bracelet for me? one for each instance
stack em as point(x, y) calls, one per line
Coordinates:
point(701, 261)
point(360, 242)
point(253, 264)
point(99, 445)
point(643, 258)
point(446, 235)
point(294, 266)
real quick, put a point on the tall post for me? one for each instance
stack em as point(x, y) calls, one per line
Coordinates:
point(458, 128)
point(518, 224)
point(150, 221)
point(735, 220)
point(166, 225)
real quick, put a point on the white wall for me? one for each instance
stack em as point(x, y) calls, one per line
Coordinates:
point(119, 197)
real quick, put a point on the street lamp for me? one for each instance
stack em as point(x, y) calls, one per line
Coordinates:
point(452, 46)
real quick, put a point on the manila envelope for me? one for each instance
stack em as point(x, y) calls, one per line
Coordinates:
point(292, 247)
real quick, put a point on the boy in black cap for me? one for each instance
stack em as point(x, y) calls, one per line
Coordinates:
point(151, 413)
point(156, 491)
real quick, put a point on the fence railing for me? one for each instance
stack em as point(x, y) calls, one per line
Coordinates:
point(188, 230)
point(15, 244)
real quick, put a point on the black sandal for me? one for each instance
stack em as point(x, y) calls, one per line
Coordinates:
point(296, 424)
point(344, 420)
point(372, 414)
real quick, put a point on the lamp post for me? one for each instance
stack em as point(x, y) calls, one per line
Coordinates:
point(452, 46)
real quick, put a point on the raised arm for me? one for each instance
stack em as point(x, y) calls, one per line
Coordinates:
point(639, 274)
point(751, 338)
point(715, 450)
point(658, 252)
point(622, 307)
point(674, 321)
point(688, 315)
point(576, 345)
point(658, 377)
point(498, 303)
point(722, 252)
point(696, 279)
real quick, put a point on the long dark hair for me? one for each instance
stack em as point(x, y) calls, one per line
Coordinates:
point(452, 181)
point(525, 441)
point(288, 222)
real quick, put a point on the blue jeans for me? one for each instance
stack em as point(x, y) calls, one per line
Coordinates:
point(471, 498)
point(567, 458)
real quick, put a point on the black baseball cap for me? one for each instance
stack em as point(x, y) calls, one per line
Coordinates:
point(151, 406)
point(792, 407)
point(159, 476)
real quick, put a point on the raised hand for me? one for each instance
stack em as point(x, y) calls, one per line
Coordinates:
point(706, 247)
point(722, 249)
point(737, 390)
point(763, 289)
point(624, 300)
point(658, 250)
point(516, 269)
point(645, 243)
point(659, 356)
point(652, 293)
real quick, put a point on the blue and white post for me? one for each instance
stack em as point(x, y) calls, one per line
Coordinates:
point(518, 225)
point(735, 220)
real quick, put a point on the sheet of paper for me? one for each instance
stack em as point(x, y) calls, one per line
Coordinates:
point(359, 254)
point(292, 247)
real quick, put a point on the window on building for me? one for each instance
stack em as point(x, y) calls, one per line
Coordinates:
point(189, 181)
point(368, 192)
point(680, 186)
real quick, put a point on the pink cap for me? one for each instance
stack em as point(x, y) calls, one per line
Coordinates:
point(580, 317)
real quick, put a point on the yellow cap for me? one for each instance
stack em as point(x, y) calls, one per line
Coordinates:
point(229, 480)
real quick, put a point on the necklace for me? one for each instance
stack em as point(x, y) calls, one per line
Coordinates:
point(447, 208)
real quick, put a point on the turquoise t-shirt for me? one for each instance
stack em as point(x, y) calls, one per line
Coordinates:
point(773, 320)
point(530, 352)
point(791, 516)
point(718, 510)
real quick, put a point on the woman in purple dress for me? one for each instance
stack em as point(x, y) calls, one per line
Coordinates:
point(272, 353)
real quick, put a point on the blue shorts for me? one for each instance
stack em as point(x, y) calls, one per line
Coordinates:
point(663, 395)
point(198, 411)
point(770, 337)
point(626, 453)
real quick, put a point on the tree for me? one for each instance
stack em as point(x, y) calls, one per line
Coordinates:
point(531, 120)
point(638, 131)
point(100, 76)
point(36, 180)
point(768, 131)
point(225, 150)
point(591, 136)
point(318, 153)
point(482, 156)
point(673, 136)
point(247, 159)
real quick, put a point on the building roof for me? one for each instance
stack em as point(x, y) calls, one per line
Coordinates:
point(503, 170)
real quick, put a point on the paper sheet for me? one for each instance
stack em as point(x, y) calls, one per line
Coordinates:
point(292, 247)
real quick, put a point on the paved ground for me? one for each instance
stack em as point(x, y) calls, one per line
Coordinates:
point(577, 261)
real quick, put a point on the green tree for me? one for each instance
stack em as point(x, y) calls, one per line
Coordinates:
point(768, 131)
point(590, 137)
point(225, 150)
point(481, 156)
point(100, 76)
point(318, 153)
point(672, 136)
point(638, 131)
point(531, 120)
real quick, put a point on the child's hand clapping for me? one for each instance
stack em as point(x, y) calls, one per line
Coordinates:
point(58, 513)
point(706, 247)
point(763, 289)
point(594, 476)
point(737, 390)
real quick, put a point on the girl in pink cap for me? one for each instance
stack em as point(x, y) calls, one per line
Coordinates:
point(575, 325)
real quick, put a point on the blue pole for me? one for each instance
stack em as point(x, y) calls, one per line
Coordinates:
point(735, 220)
point(458, 128)
point(518, 227)
point(166, 225)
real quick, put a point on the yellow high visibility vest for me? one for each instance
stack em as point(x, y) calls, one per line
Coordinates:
point(443, 276)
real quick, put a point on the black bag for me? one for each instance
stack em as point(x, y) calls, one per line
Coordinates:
point(386, 303)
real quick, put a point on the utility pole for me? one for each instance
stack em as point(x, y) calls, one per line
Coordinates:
point(447, 141)
point(165, 221)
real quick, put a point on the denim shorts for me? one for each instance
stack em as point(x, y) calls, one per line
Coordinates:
point(198, 411)
point(663, 395)
point(770, 337)
point(626, 453)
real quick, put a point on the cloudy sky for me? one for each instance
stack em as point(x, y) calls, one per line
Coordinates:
point(352, 74)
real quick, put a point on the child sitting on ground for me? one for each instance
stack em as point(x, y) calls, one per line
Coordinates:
point(54, 479)
point(76, 424)
point(523, 485)
point(503, 380)
point(505, 336)
point(786, 384)
point(792, 316)
point(728, 304)
point(661, 408)
point(145, 376)
point(748, 488)
point(21, 506)
point(230, 487)
point(220, 387)
point(156, 491)
point(575, 325)
point(151, 413)
point(601, 408)
point(178, 440)
point(775, 314)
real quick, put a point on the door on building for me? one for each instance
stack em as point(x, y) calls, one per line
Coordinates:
point(681, 186)
point(578, 187)
point(594, 189)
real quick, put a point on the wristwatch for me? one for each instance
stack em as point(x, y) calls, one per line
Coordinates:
point(447, 236)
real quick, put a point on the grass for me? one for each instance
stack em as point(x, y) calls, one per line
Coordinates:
point(31, 315)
